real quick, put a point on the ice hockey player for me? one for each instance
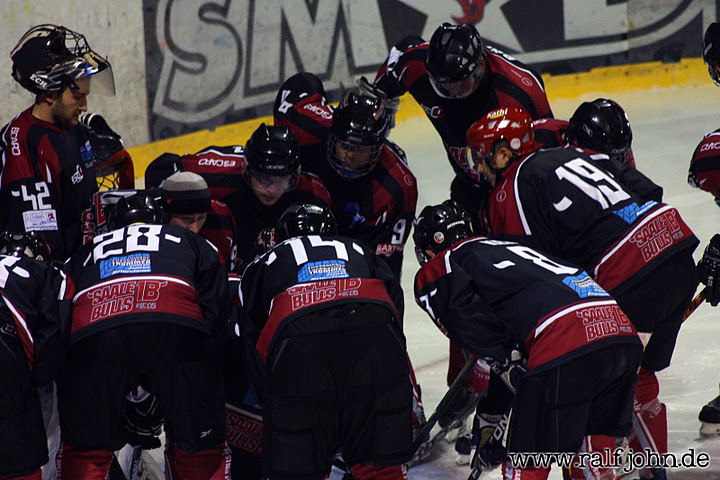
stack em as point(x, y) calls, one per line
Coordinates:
point(456, 78)
point(257, 182)
point(325, 316)
point(374, 193)
point(149, 309)
point(187, 203)
point(492, 296)
point(562, 202)
point(30, 340)
point(48, 176)
point(705, 174)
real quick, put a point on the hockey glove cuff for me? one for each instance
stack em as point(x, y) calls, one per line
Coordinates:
point(511, 371)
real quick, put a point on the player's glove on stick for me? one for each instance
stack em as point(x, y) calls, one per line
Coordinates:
point(144, 419)
point(709, 270)
point(511, 371)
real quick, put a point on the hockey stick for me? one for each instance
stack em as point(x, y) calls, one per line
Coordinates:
point(699, 298)
point(424, 434)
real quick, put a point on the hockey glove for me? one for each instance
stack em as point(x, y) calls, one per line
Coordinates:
point(391, 104)
point(104, 141)
point(510, 371)
point(144, 419)
point(709, 270)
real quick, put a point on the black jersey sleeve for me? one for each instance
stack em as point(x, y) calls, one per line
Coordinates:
point(447, 294)
point(211, 285)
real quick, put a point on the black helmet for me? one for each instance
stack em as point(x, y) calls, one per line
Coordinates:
point(273, 151)
point(603, 126)
point(142, 207)
point(305, 219)
point(27, 244)
point(711, 51)
point(49, 58)
point(359, 126)
point(438, 227)
point(453, 60)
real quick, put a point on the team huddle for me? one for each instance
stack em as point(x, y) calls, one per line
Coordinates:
point(246, 303)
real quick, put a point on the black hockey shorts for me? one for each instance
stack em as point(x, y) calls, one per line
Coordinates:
point(337, 380)
point(180, 365)
point(657, 303)
point(23, 445)
point(590, 395)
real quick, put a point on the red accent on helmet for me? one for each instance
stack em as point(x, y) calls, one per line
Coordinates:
point(511, 124)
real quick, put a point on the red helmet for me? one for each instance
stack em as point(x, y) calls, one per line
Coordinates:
point(511, 124)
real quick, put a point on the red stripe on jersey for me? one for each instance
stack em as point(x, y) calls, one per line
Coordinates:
point(705, 164)
point(574, 327)
point(433, 270)
point(522, 79)
point(311, 183)
point(318, 294)
point(135, 294)
point(659, 230)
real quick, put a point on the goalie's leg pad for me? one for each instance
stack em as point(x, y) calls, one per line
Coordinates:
point(75, 464)
point(527, 473)
point(649, 416)
point(596, 445)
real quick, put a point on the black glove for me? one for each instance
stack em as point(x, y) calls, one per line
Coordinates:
point(103, 139)
point(144, 419)
point(391, 104)
point(709, 270)
point(512, 370)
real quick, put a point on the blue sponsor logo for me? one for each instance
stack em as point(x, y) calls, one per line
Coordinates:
point(325, 270)
point(632, 211)
point(585, 286)
point(137, 263)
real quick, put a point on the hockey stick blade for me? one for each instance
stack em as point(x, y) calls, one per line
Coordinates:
point(424, 449)
point(424, 434)
point(699, 298)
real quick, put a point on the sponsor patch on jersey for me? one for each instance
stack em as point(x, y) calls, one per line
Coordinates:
point(135, 263)
point(604, 321)
point(585, 286)
point(387, 250)
point(632, 211)
point(324, 270)
point(40, 220)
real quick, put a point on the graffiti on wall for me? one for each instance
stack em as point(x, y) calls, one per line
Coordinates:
point(215, 62)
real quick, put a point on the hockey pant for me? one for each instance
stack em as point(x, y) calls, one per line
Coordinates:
point(213, 464)
point(579, 470)
point(649, 416)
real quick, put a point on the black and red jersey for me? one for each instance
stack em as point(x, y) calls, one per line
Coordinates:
point(251, 216)
point(377, 208)
point(147, 273)
point(508, 83)
point(47, 181)
point(490, 295)
point(566, 204)
point(33, 308)
point(704, 170)
point(304, 274)
point(221, 167)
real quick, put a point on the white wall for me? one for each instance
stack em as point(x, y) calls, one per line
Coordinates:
point(113, 28)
